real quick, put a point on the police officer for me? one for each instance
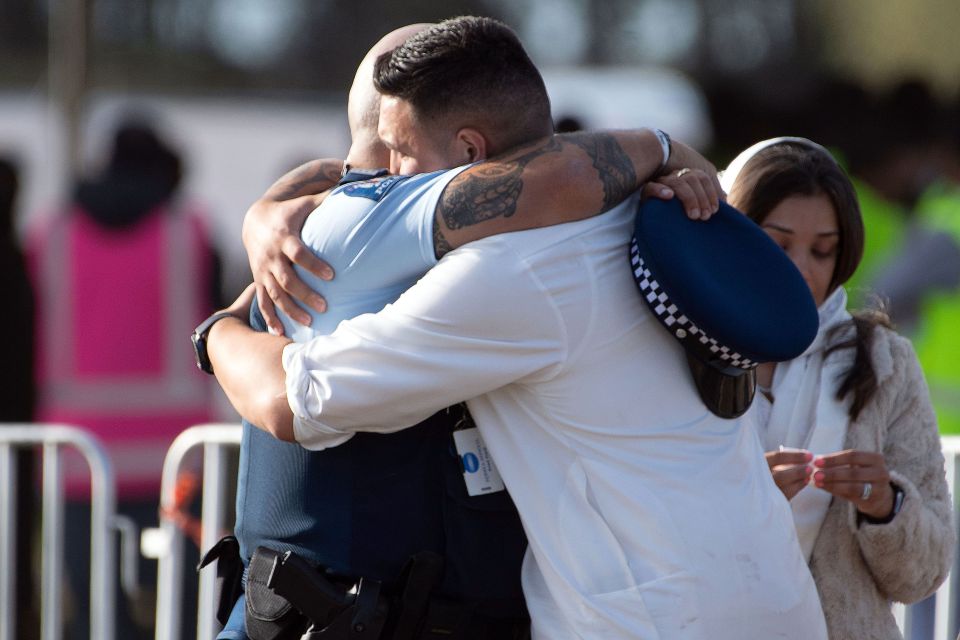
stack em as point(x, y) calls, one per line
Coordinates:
point(370, 508)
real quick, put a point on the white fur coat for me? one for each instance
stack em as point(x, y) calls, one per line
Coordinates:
point(860, 570)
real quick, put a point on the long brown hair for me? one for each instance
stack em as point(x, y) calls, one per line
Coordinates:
point(793, 168)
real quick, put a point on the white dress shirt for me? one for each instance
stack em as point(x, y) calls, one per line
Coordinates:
point(647, 516)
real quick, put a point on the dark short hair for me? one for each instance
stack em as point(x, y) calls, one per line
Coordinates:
point(472, 70)
point(793, 169)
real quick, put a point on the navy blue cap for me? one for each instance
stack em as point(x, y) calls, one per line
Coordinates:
point(727, 292)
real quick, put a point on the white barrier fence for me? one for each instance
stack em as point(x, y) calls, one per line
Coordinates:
point(167, 542)
point(215, 439)
point(53, 439)
point(104, 521)
point(945, 614)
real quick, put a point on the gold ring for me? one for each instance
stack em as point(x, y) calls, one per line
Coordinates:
point(683, 172)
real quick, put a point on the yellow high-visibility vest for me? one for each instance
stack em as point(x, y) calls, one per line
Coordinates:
point(938, 339)
point(884, 226)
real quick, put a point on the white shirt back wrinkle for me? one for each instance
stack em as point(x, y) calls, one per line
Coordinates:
point(563, 339)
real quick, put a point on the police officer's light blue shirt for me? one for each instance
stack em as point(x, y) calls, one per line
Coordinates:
point(378, 237)
point(361, 509)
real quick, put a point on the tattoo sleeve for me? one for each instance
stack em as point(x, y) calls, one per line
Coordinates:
point(492, 190)
point(440, 244)
point(613, 165)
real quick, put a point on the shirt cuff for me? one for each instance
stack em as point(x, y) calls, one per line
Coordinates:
point(306, 404)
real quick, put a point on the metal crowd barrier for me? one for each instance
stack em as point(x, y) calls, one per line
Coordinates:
point(946, 622)
point(52, 439)
point(215, 440)
point(168, 540)
point(944, 611)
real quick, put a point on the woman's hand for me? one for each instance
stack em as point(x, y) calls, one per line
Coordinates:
point(790, 469)
point(848, 474)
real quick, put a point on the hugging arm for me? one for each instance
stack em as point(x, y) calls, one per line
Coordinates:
point(248, 365)
point(271, 236)
point(558, 179)
point(574, 178)
point(564, 178)
point(454, 335)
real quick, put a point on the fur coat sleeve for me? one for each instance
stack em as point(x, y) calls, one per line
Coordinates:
point(860, 568)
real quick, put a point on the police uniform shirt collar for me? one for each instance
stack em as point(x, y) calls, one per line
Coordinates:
point(351, 174)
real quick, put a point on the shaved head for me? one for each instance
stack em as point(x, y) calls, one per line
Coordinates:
point(363, 104)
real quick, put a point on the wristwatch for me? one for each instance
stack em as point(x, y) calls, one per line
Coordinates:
point(199, 339)
point(898, 496)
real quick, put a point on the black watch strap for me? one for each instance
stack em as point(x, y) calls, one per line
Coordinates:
point(898, 496)
point(199, 339)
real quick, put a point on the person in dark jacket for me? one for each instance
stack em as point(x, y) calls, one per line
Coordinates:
point(17, 389)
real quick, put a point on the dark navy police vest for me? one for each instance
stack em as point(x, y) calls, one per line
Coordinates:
point(364, 507)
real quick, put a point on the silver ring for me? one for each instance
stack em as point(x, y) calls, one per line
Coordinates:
point(683, 172)
point(867, 490)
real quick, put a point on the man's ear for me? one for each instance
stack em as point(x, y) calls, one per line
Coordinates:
point(472, 144)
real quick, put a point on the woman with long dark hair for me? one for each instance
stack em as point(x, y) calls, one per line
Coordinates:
point(850, 434)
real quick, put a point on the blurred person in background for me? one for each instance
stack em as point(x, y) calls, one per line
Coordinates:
point(850, 433)
point(921, 283)
point(122, 274)
point(884, 153)
point(17, 393)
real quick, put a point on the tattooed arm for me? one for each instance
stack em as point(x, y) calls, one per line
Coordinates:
point(271, 236)
point(554, 180)
point(565, 178)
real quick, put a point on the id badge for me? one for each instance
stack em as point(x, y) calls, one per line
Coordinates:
point(479, 472)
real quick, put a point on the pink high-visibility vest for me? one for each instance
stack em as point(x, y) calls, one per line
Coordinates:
point(115, 313)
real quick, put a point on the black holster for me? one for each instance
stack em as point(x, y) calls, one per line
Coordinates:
point(229, 583)
point(289, 598)
point(268, 614)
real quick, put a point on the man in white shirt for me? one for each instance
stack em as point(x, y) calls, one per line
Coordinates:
point(647, 516)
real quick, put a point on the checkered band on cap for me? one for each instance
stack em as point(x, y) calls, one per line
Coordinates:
point(675, 322)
